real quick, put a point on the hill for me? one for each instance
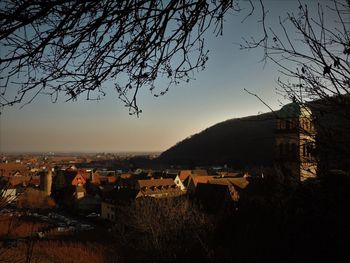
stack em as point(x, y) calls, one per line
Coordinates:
point(249, 141)
point(240, 142)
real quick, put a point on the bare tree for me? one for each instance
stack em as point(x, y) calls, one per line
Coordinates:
point(76, 47)
point(312, 51)
point(164, 229)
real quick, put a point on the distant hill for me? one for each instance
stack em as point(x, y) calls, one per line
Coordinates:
point(249, 141)
point(238, 142)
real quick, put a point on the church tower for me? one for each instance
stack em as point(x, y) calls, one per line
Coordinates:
point(295, 143)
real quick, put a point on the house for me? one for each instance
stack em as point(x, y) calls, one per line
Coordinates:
point(87, 174)
point(69, 187)
point(103, 177)
point(80, 192)
point(79, 179)
point(184, 175)
point(176, 177)
point(236, 185)
point(193, 180)
point(240, 182)
point(220, 193)
point(179, 183)
point(157, 188)
point(25, 181)
point(73, 177)
point(13, 169)
point(8, 192)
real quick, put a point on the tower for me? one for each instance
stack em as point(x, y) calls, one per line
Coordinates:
point(295, 142)
point(46, 181)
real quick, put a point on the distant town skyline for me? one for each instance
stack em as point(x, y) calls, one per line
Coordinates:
point(216, 95)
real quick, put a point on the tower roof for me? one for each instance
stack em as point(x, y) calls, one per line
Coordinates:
point(294, 110)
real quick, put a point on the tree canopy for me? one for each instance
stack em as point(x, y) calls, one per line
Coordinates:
point(74, 47)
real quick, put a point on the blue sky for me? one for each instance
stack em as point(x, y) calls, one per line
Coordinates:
point(216, 95)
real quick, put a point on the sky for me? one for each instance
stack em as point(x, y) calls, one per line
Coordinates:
point(217, 94)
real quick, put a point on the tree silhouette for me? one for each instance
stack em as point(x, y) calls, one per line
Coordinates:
point(312, 51)
point(73, 47)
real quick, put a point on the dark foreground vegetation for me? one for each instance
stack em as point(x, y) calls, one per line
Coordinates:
point(306, 224)
point(271, 223)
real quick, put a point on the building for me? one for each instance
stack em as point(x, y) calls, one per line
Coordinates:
point(157, 188)
point(8, 194)
point(175, 175)
point(194, 179)
point(220, 193)
point(80, 192)
point(295, 143)
point(13, 169)
point(179, 183)
point(72, 177)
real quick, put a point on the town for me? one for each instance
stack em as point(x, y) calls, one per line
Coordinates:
point(174, 131)
point(68, 196)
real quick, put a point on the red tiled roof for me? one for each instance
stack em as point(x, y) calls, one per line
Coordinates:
point(9, 169)
point(155, 182)
point(201, 179)
point(237, 182)
point(84, 173)
point(184, 174)
point(158, 188)
point(112, 179)
point(78, 180)
point(19, 180)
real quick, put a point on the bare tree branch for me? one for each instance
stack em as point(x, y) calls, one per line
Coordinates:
point(88, 47)
point(312, 52)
